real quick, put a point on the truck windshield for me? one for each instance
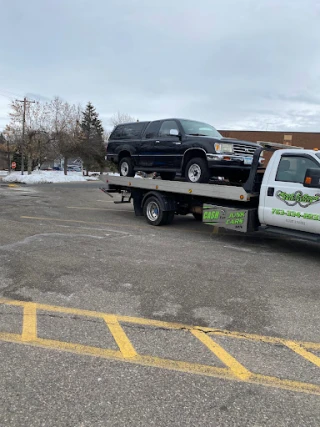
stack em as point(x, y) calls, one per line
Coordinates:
point(199, 129)
point(318, 155)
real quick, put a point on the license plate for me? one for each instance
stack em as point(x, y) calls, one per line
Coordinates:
point(247, 160)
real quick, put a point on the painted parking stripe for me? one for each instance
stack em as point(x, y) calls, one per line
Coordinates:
point(233, 370)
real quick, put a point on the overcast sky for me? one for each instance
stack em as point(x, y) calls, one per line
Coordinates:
point(237, 64)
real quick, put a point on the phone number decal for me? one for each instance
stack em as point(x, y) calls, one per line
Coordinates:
point(294, 214)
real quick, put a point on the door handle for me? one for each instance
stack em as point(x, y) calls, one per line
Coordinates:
point(270, 191)
point(177, 143)
point(157, 142)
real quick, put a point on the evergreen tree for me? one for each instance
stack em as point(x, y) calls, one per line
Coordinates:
point(17, 159)
point(92, 145)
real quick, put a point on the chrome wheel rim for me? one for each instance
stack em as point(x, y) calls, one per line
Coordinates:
point(152, 211)
point(194, 173)
point(124, 169)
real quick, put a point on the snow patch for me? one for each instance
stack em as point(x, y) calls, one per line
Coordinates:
point(40, 177)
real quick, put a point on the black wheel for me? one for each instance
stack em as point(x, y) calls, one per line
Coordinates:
point(170, 217)
point(153, 212)
point(168, 176)
point(197, 171)
point(126, 167)
point(197, 216)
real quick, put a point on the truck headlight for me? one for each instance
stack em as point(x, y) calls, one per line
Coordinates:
point(222, 147)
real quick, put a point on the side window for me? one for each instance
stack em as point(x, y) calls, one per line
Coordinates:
point(152, 130)
point(293, 168)
point(132, 130)
point(117, 133)
point(167, 126)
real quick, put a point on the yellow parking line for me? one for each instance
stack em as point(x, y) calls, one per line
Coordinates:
point(126, 348)
point(167, 325)
point(126, 352)
point(235, 367)
point(78, 348)
point(285, 384)
point(303, 352)
point(62, 346)
point(174, 365)
point(29, 328)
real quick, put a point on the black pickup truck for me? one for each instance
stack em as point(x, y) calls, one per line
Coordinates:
point(170, 146)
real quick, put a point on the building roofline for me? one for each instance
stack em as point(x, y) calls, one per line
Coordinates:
point(268, 131)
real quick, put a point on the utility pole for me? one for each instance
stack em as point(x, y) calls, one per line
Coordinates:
point(23, 130)
point(9, 160)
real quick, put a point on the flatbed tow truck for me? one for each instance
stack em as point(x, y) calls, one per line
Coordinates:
point(283, 199)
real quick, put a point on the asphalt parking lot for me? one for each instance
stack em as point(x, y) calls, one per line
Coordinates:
point(107, 321)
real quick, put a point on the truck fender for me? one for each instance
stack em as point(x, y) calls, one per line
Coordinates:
point(167, 203)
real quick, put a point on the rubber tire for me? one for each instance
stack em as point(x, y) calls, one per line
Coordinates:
point(167, 176)
point(163, 215)
point(170, 218)
point(128, 160)
point(197, 216)
point(205, 171)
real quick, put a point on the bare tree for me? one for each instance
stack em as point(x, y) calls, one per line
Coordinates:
point(9, 142)
point(119, 118)
point(64, 128)
point(51, 130)
point(35, 120)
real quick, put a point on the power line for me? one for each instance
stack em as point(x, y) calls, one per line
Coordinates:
point(6, 96)
point(10, 93)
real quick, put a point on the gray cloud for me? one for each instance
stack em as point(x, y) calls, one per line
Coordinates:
point(234, 64)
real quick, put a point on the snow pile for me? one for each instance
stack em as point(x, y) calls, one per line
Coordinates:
point(40, 177)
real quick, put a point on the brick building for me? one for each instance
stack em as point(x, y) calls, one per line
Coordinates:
point(308, 140)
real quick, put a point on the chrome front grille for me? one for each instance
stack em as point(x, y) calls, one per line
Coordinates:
point(243, 149)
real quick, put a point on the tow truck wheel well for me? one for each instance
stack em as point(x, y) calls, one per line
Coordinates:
point(167, 203)
point(191, 154)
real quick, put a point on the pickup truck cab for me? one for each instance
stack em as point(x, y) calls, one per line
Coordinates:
point(170, 146)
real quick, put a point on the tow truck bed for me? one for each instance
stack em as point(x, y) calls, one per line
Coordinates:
point(211, 191)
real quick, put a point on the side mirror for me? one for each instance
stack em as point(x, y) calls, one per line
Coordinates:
point(174, 132)
point(312, 178)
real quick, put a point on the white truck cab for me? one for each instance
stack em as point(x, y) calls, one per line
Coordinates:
point(290, 191)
